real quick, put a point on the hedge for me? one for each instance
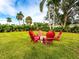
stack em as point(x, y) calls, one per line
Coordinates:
point(36, 26)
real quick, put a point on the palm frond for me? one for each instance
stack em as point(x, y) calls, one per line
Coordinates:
point(41, 5)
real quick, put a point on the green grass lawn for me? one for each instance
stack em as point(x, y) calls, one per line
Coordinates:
point(17, 45)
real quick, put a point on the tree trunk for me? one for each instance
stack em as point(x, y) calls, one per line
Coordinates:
point(19, 22)
point(54, 17)
point(23, 22)
point(7, 22)
point(49, 16)
point(65, 20)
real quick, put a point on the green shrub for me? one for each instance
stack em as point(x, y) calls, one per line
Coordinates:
point(27, 27)
point(36, 26)
point(42, 26)
point(74, 29)
point(57, 29)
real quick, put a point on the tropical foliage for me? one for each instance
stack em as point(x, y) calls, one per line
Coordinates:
point(9, 19)
point(36, 26)
point(19, 17)
point(67, 7)
point(28, 20)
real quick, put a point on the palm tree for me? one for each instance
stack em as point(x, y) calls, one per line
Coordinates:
point(9, 19)
point(28, 20)
point(19, 17)
point(54, 3)
point(67, 6)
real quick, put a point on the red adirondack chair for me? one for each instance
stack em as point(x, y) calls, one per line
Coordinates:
point(49, 37)
point(34, 37)
point(58, 36)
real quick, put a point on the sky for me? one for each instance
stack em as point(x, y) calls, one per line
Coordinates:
point(9, 8)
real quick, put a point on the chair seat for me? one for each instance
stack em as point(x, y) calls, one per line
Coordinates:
point(48, 40)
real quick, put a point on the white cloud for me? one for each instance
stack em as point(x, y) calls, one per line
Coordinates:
point(35, 13)
point(60, 11)
point(3, 21)
point(7, 8)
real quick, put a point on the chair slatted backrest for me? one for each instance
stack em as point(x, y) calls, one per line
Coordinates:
point(34, 37)
point(50, 35)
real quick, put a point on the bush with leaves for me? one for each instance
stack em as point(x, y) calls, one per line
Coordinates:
point(74, 29)
point(42, 26)
point(57, 29)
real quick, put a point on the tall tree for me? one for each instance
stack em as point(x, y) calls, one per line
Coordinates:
point(54, 3)
point(67, 7)
point(9, 19)
point(20, 16)
point(28, 20)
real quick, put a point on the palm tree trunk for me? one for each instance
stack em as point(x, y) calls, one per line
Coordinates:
point(19, 22)
point(7, 22)
point(65, 20)
point(54, 17)
point(23, 22)
point(49, 16)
